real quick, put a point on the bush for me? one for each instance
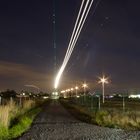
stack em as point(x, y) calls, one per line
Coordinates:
point(100, 117)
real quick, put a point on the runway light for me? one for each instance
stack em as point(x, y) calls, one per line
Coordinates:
point(63, 91)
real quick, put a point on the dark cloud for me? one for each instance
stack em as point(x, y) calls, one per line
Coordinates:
point(14, 75)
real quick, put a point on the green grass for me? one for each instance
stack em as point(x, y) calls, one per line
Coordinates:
point(4, 133)
point(23, 124)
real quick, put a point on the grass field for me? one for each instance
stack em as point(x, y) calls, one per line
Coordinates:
point(110, 114)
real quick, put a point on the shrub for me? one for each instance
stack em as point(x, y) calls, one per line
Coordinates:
point(100, 117)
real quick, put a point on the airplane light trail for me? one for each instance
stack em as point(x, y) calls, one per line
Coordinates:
point(81, 18)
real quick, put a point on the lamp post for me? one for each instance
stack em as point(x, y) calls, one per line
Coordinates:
point(76, 88)
point(84, 86)
point(68, 92)
point(103, 81)
point(71, 92)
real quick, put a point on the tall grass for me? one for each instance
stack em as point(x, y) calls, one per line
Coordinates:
point(4, 115)
point(118, 119)
point(11, 111)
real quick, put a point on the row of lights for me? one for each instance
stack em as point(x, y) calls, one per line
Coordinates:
point(103, 80)
point(76, 88)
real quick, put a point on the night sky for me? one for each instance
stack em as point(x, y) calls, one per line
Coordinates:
point(109, 43)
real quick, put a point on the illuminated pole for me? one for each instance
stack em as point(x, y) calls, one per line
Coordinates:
point(103, 85)
point(103, 81)
point(71, 92)
point(84, 86)
point(68, 92)
point(76, 88)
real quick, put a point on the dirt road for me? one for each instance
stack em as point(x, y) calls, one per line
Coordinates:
point(55, 123)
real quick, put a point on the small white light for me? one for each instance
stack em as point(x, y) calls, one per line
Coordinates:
point(77, 96)
point(45, 97)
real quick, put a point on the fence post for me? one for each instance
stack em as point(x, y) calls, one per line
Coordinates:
point(0, 100)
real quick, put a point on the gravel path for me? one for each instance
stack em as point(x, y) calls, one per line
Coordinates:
point(55, 123)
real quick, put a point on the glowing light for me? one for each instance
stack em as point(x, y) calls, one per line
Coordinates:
point(134, 96)
point(55, 93)
point(68, 90)
point(45, 97)
point(82, 15)
point(76, 88)
point(71, 89)
point(77, 96)
point(63, 91)
point(84, 85)
point(103, 80)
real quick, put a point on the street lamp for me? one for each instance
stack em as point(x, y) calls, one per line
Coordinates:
point(71, 92)
point(71, 89)
point(103, 81)
point(84, 86)
point(76, 88)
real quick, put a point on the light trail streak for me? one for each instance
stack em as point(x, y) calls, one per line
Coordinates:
point(79, 28)
point(74, 28)
point(32, 86)
point(75, 35)
point(71, 44)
